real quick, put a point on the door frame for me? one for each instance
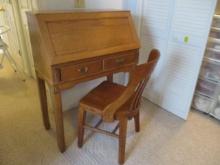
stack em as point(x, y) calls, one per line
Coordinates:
point(27, 62)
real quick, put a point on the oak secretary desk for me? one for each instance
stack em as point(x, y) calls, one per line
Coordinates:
point(70, 47)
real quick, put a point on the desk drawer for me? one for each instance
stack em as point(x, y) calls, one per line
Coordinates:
point(72, 72)
point(119, 61)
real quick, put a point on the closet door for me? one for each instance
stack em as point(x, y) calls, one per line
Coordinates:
point(155, 29)
point(179, 29)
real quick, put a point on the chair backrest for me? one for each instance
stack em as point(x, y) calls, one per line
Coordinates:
point(135, 87)
point(140, 78)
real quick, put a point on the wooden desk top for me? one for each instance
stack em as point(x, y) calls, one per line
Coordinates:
point(79, 34)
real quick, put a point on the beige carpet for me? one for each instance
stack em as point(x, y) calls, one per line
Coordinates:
point(164, 139)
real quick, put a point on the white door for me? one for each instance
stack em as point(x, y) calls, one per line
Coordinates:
point(179, 29)
point(11, 37)
point(25, 6)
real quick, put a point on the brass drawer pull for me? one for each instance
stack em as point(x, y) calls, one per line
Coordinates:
point(83, 70)
point(120, 61)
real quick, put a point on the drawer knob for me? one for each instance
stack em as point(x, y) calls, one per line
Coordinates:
point(83, 70)
point(120, 61)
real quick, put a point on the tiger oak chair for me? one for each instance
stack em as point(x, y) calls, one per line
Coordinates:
point(112, 102)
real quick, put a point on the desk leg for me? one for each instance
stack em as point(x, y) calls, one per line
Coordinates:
point(43, 102)
point(57, 102)
point(110, 77)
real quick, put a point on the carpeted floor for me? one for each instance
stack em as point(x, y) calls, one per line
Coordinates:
point(164, 138)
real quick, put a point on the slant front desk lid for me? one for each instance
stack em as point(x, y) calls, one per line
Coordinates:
point(73, 35)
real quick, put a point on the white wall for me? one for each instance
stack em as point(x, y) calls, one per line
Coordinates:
point(104, 4)
point(135, 6)
point(69, 4)
point(55, 4)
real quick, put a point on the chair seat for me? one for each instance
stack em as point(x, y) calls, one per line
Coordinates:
point(101, 96)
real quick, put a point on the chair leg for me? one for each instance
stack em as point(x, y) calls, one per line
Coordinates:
point(137, 122)
point(81, 122)
point(122, 139)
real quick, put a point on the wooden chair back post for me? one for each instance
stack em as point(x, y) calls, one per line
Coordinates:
point(152, 60)
point(135, 88)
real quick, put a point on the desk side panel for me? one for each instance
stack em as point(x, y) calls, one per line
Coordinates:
point(42, 60)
